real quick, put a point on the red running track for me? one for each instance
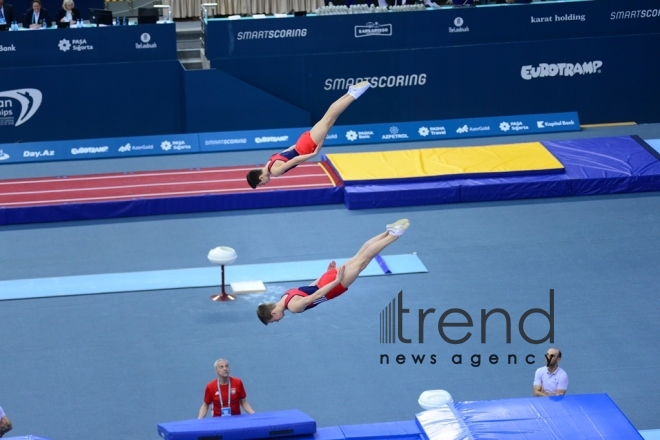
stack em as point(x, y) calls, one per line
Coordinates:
point(155, 184)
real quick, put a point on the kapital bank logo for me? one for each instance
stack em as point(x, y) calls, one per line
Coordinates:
point(455, 326)
point(18, 106)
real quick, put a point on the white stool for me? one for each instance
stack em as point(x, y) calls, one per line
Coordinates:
point(222, 255)
point(432, 399)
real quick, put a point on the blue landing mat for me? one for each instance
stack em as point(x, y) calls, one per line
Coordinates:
point(26, 437)
point(254, 426)
point(587, 416)
point(611, 165)
point(189, 278)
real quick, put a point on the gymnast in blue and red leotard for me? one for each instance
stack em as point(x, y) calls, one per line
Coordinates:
point(334, 282)
point(310, 142)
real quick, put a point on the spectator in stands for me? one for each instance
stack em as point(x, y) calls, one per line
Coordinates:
point(551, 380)
point(68, 13)
point(225, 393)
point(36, 17)
point(7, 16)
point(5, 423)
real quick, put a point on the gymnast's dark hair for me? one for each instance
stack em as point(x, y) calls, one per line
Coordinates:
point(253, 178)
point(264, 312)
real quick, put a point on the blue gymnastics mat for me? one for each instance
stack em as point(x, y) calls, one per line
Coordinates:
point(611, 165)
point(26, 437)
point(587, 416)
point(275, 424)
point(572, 417)
point(197, 277)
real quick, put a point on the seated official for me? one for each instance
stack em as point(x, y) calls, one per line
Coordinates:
point(35, 17)
point(68, 13)
point(7, 16)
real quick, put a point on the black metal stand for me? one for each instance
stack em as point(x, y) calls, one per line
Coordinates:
point(223, 296)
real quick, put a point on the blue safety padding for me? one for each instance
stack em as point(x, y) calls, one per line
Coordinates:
point(172, 205)
point(589, 416)
point(607, 165)
point(622, 164)
point(512, 188)
point(401, 194)
point(394, 430)
point(331, 433)
point(26, 437)
point(194, 277)
point(265, 425)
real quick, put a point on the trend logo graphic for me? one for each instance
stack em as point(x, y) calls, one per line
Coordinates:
point(423, 131)
point(29, 99)
point(504, 126)
point(394, 315)
point(463, 129)
point(166, 145)
point(351, 135)
point(64, 45)
point(3, 155)
point(145, 38)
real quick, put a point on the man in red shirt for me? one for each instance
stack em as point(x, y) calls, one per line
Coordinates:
point(230, 399)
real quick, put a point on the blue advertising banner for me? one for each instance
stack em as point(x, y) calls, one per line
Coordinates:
point(90, 101)
point(395, 132)
point(99, 148)
point(112, 44)
point(453, 129)
point(275, 139)
point(604, 79)
point(279, 139)
point(489, 24)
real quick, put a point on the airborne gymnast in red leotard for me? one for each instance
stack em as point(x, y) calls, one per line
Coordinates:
point(334, 281)
point(310, 142)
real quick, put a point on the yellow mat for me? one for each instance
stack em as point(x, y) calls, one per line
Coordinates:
point(525, 158)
